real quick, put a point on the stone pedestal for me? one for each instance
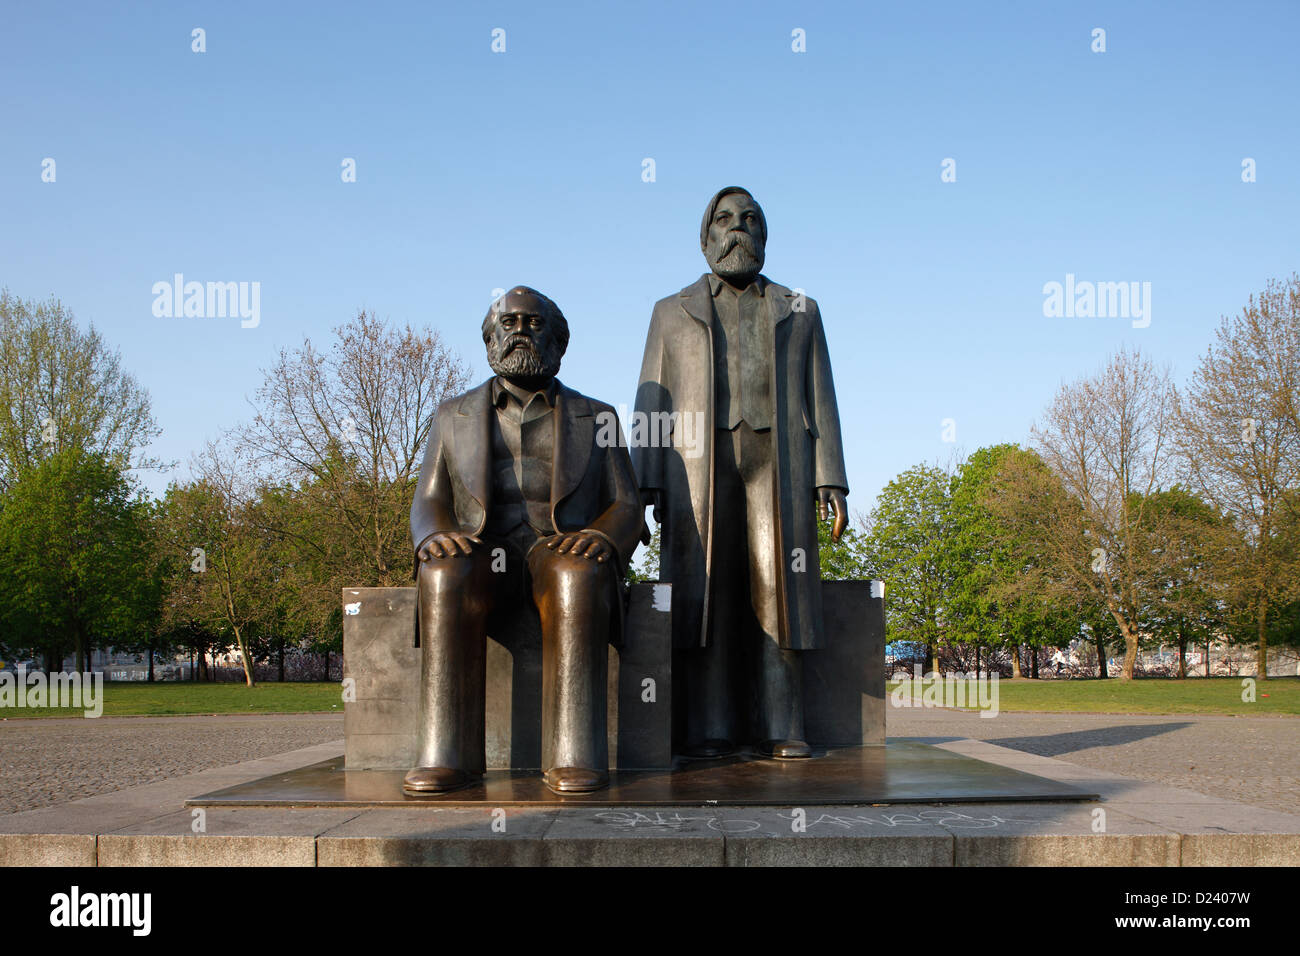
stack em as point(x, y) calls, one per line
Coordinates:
point(844, 685)
point(380, 658)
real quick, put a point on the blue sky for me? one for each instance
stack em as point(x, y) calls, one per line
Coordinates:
point(479, 170)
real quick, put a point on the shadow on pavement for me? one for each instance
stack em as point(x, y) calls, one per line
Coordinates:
point(1054, 745)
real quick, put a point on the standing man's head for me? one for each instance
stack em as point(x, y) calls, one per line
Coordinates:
point(733, 235)
point(526, 335)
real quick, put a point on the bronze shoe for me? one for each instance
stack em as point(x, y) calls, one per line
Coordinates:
point(785, 749)
point(708, 749)
point(424, 780)
point(575, 779)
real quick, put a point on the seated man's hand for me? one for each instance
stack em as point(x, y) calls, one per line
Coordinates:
point(581, 543)
point(448, 544)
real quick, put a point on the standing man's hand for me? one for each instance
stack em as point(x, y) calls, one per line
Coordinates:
point(655, 498)
point(834, 499)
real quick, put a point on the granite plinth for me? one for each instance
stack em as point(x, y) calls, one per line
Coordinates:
point(844, 683)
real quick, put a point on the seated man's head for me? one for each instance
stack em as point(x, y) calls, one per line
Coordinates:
point(526, 335)
point(733, 235)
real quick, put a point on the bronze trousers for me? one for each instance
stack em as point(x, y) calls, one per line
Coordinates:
point(744, 684)
point(574, 598)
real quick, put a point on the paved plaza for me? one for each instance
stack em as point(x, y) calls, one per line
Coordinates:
point(48, 761)
point(1251, 760)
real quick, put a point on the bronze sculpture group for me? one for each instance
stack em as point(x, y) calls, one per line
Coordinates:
point(521, 499)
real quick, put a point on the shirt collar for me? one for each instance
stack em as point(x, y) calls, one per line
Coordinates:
point(502, 390)
point(759, 284)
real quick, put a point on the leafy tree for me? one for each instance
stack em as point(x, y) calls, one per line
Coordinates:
point(151, 638)
point(74, 536)
point(908, 546)
point(1199, 546)
point(649, 567)
point(989, 556)
point(221, 578)
point(843, 560)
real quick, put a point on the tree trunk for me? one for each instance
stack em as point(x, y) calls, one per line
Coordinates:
point(1182, 650)
point(327, 665)
point(977, 661)
point(151, 663)
point(1101, 659)
point(1261, 616)
point(79, 644)
point(1207, 657)
point(244, 658)
point(282, 660)
point(1033, 662)
point(1130, 657)
point(1015, 661)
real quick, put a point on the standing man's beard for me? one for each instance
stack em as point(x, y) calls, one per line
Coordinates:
point(736, 255)
point(524, 361)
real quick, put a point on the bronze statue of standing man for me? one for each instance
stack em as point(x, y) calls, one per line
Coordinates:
point(739, 520)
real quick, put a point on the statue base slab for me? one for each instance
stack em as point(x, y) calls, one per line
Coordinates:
point(902, 771)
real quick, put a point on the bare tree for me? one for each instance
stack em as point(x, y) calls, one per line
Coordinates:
point(62, 388)
point(1239, 442)
point(1105, 440)
point(346, 430)
point(224, 575)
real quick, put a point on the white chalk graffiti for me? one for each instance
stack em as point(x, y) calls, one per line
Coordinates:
point(675, 821)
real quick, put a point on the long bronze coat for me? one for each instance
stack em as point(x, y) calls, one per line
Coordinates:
point(677, 377)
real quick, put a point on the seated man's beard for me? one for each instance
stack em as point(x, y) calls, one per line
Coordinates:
point(524, 361)
point(736, 255)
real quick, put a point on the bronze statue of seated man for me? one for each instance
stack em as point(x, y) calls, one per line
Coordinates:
point(522, 497)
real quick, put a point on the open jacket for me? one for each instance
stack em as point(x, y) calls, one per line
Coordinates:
point(593, 487)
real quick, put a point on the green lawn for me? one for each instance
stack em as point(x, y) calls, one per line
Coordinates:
point(130, 698)
point(1217, 695)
